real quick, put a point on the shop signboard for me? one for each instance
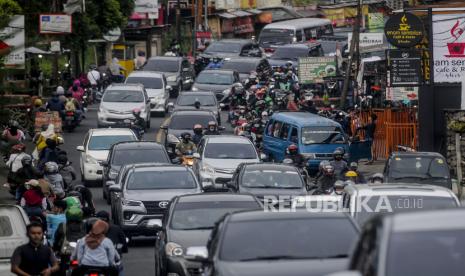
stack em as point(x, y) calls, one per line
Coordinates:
point(55, 24)
point(405, 67)
point(227, 4)
point(314, 69)
point(401, 93)
point(368, 40)
point(13, 43)
point(375, 21)
point(404, 30)
point(449, 48)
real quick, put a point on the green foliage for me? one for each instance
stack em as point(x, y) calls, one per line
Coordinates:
point(457, 126)
point(126, 7)
point(7, 9)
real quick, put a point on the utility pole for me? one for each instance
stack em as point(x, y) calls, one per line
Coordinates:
point(354, 51)
point(194, 30)
point(206, 15)
point(178, 21)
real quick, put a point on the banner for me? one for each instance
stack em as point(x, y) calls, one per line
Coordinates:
point(314, 69)
point(368, 40)
point(375, 21)
point(13, 40)
point(146, 6)
point(55, 24)
point(449, 47)
point(401, 93)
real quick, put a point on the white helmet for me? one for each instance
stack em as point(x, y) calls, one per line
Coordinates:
point(60, 90)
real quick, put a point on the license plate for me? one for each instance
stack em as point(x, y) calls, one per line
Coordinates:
point(154, 222)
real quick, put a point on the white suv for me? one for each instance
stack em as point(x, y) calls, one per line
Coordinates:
point(96, 148)
point(118, 102)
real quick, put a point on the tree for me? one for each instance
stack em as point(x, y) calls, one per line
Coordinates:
point(8, 8)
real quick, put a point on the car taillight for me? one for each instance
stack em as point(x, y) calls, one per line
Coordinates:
point(70, 113)
point(74, 263)
point(93, 274)
point(269, 50)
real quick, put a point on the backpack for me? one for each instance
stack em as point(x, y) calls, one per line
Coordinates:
point(69, 105)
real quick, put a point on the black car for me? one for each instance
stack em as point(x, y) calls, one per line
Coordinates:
point(268, 179)
point(130, 153)
point(417, 167)
point(218, 81)
point(183, 121)
point(189, 223)
point(411, 243)
point(244, 66)
point(278, 243)
point(178, 71)
point(233, 48)
point(292, 53)
point(207, 100)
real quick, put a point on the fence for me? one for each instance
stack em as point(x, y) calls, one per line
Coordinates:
point(394, 127)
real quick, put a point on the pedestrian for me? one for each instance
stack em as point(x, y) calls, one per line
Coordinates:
point(370, 130)
point(34, 258)
point(140, 60)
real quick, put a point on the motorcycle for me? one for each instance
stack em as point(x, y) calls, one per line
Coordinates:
point(188, 159)
point(70, 122)
point(139, 131)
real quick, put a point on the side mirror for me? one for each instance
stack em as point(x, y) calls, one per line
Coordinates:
point(80, 148)
point(221, 128)
point(170, 105)
point(114, 188)
point(197, 254)
point(104, 163)
point(110, 183)
point(155, 224)
point(263, 156)
point(169, 87)
point(196, 155)
point(222, 105)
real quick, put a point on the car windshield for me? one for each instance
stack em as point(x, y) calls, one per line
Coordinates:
point(418, 168)
point(195, 215)
point(426, 253)
point(188, 121)
point(240, 66)
point(105, 142)
point(322, 135)
point(215, 78)
point(160, 179)
point(148, 83)
point(290, 53)
point(134, 156)
point(299, 238)
point(159, 65)
point(230, 151)
point(189, 100)
point(123, 96)
point(276, 37)
point(220, 47)
point(271, 178)
point(388, 204)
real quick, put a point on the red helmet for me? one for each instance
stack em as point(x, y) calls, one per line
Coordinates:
point(136, 111)
point(293, 148)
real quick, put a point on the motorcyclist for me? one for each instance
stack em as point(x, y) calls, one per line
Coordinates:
point(73, 105)
point(212, 129)
point(360, 178)
point(55, 218)
point(293, 153)
point(66, 171)
point(377, 178)
point(55, 179)
point(54, 104)
point(338, 163)
point(216, 63)
point(238, 96)
point(77, 91)
point(115, 233)
point(251, 81)
point(308, 106)
point(139, 122)
point(186, 145)
point(198, 134)
point(325, 182)
point(24, 174)
point(48, 154)
point(33, 200)
point(11, 136)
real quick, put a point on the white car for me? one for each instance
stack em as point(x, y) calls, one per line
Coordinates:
point(156, 86)
point(96, 147)
point(220, 155)
point(118, 103)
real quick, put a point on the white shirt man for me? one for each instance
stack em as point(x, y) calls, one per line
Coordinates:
point(93, 76)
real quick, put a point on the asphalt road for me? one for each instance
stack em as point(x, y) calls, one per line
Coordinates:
point(139, 260)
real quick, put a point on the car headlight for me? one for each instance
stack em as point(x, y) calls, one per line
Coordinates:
point(171, 78)
point(112, 174)
point(172, 139)
point(173, 249)
point(194, 88)
point(91, 160)
point(309, 155)
point(129, 202)
point(208, 169)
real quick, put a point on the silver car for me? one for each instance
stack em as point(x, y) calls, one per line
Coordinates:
point(118, 103)
point(156, 86)
point(219, 156)
point(145, 193)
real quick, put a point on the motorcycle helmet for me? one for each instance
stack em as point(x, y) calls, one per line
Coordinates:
point(186, 136)
point(328, 170)
point(136, 112)
point(212, 125)
point(26, 161)
point(198, 129)
point(60, 91)
point(62, 159)
point(338, 154)
point(323, 164)
point(103, 215)
point(74, 214)
point(377, 178)
point(51, 167)
point(293, 149)
point(351, 174)
point(38, 103)
point(353, 166)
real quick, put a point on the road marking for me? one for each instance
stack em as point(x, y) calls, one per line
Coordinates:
point(160, 131)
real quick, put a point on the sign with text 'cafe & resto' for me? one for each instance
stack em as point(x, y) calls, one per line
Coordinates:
point(404, 30)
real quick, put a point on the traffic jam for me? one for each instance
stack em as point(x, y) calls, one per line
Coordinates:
point(238, 161)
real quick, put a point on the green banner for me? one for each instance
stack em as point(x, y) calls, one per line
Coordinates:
point(314, 69)
point(375, 21)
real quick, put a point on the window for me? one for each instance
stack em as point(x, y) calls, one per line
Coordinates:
point(284, 132)
point(276, 128)
point(105, 142)
point(269, 128)
point(294, 135)
point(148, 180)
point(310, 33)
point(299, 35)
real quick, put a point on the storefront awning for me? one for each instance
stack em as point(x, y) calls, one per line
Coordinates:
point(227, 15)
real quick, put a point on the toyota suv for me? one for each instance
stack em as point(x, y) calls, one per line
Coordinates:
point(145, 193)
point(219, 156)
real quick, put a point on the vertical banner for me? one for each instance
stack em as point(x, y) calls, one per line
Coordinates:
point(13, 36)
point(449, 47)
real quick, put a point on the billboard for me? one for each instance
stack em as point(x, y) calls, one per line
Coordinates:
point(55, 24)
point(368, 40)
point(13, 37)
point(314, 69)
point(449, 47)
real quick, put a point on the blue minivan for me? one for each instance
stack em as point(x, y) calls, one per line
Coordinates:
point(317, 137)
